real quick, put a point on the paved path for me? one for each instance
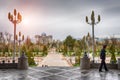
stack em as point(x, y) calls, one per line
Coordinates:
point(54, 59)
point(58, 73)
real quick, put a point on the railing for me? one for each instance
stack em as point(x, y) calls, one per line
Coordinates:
point(7, 63)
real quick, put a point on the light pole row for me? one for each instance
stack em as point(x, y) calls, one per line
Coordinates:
point(15, 19)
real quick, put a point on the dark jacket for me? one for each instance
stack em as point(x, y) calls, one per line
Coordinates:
point(103, 54)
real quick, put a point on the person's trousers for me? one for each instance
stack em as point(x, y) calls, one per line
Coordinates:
point(103, 64)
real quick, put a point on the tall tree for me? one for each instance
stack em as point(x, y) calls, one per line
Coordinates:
point(77, 51)
point(28, 42)
point(69, 42)
point(112, 50)
point(28, 49)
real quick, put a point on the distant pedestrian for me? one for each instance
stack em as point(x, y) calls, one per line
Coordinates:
point(103, 57)
point(45, 65)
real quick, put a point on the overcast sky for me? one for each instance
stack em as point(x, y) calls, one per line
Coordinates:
point(61, 17)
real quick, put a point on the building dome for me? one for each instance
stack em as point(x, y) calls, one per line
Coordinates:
point(43, 34)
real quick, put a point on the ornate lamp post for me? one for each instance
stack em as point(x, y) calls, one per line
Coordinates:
point(93, 23)
point(15, 19)
point(19, 38)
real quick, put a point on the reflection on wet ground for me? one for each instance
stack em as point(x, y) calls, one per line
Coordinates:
point(58, 73)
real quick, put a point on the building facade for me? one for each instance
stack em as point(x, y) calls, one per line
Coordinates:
point(43, 38)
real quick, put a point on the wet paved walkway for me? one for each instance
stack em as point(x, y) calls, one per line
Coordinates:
point(54, 59)
point(58, 73)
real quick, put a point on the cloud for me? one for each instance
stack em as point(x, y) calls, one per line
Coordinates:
point(62, 17)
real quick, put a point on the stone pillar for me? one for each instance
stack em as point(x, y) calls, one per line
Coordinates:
point(23, 62)
point(85, 62)
point(119, 63)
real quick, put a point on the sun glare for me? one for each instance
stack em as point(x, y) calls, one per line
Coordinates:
point(26, 21)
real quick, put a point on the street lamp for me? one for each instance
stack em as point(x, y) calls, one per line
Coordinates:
point(15, 19)
point(19, 38)
point(93, 23)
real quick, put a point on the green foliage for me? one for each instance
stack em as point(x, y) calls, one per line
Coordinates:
point(65, 50)
point(77, 50)
point(29, 54)
point(69, 42)
point(76, 65)
point(112, 51)
point(83, 43)
point(6, 48)
point(77, 59)
point(28, 43)
point(30, 58)
point(45, 50)
point(36, 49)
point(118, 48)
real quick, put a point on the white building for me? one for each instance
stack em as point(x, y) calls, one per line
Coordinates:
point(43, 38)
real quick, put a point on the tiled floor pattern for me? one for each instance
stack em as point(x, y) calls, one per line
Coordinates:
point(58, 73)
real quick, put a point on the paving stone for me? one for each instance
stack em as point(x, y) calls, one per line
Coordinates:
point(68, 74)
point(58, 73)
point(53, 77)
point(39, 74)
point(54, 71)
point(82, 78)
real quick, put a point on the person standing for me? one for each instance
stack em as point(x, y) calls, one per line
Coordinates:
point(103, 57)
